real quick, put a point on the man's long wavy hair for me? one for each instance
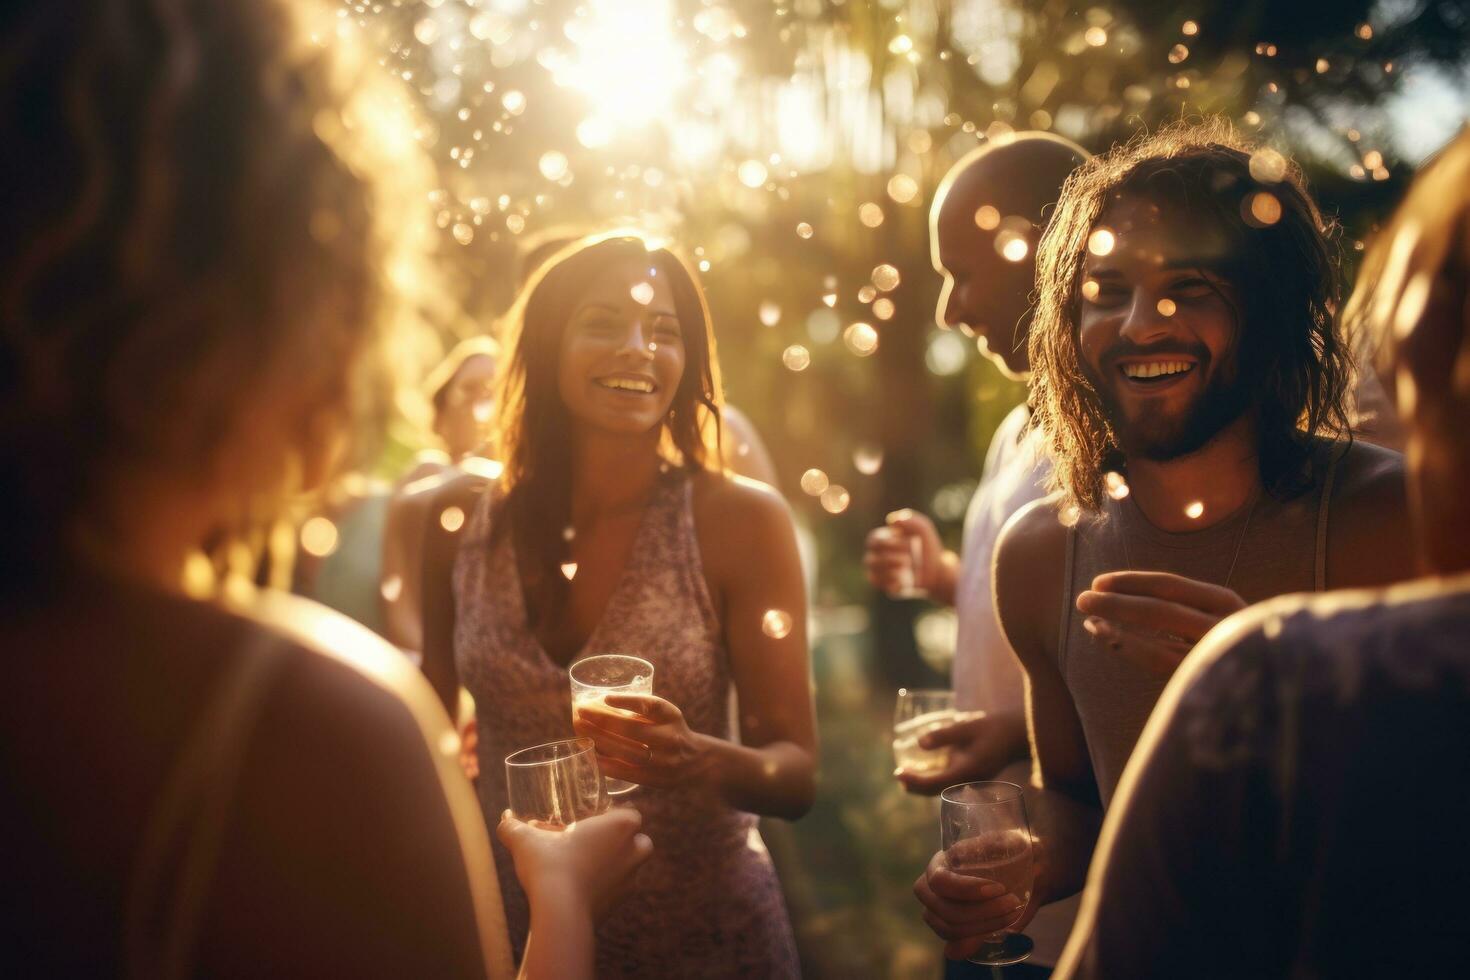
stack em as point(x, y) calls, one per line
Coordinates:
point(1285, 273)
point(202, 200)
point(534, 428)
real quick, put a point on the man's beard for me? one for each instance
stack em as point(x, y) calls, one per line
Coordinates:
point(1160, 438)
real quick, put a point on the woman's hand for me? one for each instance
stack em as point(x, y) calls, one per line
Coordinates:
point(587, 864)
point(644, 739)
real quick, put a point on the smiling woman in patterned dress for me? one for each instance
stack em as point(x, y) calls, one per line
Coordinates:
point(613, 530)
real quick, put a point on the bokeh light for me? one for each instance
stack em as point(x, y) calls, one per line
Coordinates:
point(776, 623)
point(861, 339)
point(886, 277)
point(835, 499)
point(867, 458)
point(1101, 241)
point(319, 537)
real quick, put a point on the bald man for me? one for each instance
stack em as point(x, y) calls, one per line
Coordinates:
point(986, 220)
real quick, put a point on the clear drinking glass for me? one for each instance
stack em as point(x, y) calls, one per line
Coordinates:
point(913, 561)
point(557, 783)
point(984, 832)
point(594, 678)
point(916, 714)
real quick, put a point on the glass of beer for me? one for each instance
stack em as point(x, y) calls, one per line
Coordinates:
point(594, 678)
point(917, 714)
point(557, 783)
point(984, 833)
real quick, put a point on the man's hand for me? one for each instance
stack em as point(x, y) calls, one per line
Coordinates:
point(980, 745)
point(889, 553)
point(1153, 618)
point(966, 911)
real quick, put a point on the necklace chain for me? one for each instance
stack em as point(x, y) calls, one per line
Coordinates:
point(1234, 558)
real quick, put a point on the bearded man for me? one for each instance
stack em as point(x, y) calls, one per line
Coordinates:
point(1190, 387)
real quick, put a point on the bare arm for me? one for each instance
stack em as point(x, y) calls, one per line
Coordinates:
point(572, 877)
point(441, 545)
point(761, 591)
point(1029, 557)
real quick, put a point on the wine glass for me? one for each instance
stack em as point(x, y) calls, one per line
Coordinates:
point(557, 783)
point(917, 713)
point(594, 678)
point(984, 832)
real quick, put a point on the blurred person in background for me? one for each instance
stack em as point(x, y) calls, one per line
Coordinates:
point(1000, 189)
point(201, 778)
point(1305, 778)
point(614, 529)
point(1192, 388)
point(461, 394)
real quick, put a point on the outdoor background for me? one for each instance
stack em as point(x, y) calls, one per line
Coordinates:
point(791, 149)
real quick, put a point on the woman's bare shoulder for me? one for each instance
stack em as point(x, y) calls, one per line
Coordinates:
point(729, 497)
point(739, 522)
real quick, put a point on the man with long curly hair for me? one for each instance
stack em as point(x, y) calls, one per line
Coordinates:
point(1283, 737)
point(1190, 386)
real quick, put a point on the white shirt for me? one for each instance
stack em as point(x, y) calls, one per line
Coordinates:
point(987, 676)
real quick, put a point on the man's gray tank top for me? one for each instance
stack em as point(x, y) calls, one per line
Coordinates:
point(1282, 548)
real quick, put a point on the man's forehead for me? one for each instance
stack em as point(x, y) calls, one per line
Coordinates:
point(1138, 228)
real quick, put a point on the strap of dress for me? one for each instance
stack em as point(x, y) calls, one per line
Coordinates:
point(174, 870)
point(1065, 629)
point(681, 502)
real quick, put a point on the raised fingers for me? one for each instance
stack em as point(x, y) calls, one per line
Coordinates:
point(651, 707)
point(611, 744)
point(1161, 615)
point(1205, 596)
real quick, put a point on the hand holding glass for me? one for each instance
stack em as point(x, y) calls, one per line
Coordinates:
point(916, 714)
point(594, 678)
point(913, 563)
point(984, 832)
point(555, 784)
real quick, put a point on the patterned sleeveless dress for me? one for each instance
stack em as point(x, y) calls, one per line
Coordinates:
point(707, 903)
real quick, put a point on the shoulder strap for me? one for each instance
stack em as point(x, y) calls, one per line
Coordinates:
point(1065, 620)
point(175, 864)
point(1319, 579)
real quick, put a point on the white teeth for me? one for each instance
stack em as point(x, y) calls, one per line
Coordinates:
point(627, 384)
point(1155, 369)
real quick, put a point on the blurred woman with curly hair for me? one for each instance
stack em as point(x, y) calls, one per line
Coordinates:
point(209, 212)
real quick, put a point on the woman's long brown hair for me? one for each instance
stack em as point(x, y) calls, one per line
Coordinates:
point(535, 428)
